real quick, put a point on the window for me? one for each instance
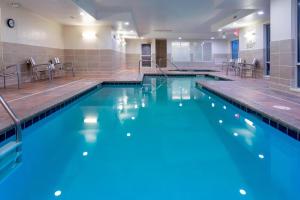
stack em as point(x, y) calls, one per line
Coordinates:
point(197, 51)
point(181, 51)
point(235, 49)
point(207, 51)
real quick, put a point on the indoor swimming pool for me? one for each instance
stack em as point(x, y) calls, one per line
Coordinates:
point(164, 140)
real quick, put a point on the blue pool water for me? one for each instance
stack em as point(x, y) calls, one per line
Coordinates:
point(173, 142)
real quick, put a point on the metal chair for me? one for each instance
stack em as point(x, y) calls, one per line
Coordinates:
point(249, 67)
point(38, 68)
point(68, 66)
point(10, 71)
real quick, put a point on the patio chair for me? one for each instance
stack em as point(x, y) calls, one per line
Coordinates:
point(10, 71)
point(230, 66)
point(68, 66)
point(249, 67)
point(36, 69)
point(238, 66)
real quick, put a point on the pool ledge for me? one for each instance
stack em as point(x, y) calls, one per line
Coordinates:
point(260, 104)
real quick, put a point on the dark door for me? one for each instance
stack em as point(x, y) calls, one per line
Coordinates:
point(161, 53)
point(146, 55)
point(267, 44)
point(235, 49)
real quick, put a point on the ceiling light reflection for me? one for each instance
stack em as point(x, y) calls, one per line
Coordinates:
point(90, 120)
point(261, 156)
point(57, 193)
point(243, 192)
point(84, 154)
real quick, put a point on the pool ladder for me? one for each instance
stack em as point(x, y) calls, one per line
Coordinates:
point(10, 151)
point(146, 86)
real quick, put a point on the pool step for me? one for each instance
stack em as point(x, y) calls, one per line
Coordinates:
point(10, 158)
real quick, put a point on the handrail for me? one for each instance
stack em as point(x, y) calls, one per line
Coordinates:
point(14, 117)
point(170, 61)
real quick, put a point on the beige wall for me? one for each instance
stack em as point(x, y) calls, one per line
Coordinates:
point(30, 29)
point(251, 45)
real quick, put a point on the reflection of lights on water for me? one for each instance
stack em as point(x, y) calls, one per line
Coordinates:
point(143, 105)
point(180, 104)
point(209, 97)
point(243, 192)
point(85, 153)
point(235, 134)
point(120, 107)
point(136, 106)
point(224, 107)
point(261, 156)
point(90, 120)
point(57, 193)
point(128, 134)
point(212, 105)
point(133, 118)
point(250, 123)
point(237, 115)
point(220, 121)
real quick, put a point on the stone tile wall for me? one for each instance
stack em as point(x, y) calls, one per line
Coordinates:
point(283, 64)
point(86, 62)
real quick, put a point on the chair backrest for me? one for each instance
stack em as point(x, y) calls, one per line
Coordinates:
point(32, 61)
point(56, 60)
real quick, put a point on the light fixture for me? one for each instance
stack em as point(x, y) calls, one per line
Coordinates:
point(179, 38)
point(15, 5)
point(142, 38)
point(243, 192)
point(89, 35)
point(127, 23)
point(212, 38)
point(82, 13)
point(131, 31)
point(220, 30)
point(224, 36)
point(57, 193)
point(261, 12)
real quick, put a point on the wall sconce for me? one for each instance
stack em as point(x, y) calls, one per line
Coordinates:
point(89, 35)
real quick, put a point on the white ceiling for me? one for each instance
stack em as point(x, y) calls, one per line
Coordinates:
point(193, 19)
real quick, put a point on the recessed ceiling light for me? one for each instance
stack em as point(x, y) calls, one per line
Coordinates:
point(142, 38)
point(81, 13)
point(220, 30)
point(132, 31)
point(260, 12)
point(127, 23)
point(180, 38)
point(212, 38)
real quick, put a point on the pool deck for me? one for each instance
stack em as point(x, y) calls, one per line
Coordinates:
point(35, 97)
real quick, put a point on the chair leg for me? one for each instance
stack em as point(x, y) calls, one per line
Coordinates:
point(18, 77)
point(4, 82)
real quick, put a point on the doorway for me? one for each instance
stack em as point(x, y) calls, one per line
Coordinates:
point(161, 53)
point(235, 49)
point(146, 55)
point(267, 29)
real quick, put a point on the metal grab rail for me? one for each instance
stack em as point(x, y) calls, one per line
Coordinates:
point(173, 64)
point(14, 117)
